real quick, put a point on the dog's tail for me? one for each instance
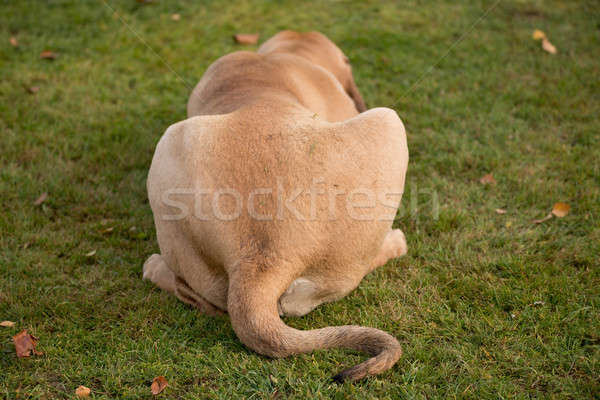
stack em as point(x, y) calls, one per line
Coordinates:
point(252, 306)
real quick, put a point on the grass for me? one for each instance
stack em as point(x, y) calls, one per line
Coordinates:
point(485, 305)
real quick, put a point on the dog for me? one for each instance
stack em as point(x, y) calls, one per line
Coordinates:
point(241, 194)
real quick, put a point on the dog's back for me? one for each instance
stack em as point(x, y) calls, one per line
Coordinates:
point(244, 78)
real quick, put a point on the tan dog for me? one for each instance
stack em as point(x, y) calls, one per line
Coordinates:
point(276, 196)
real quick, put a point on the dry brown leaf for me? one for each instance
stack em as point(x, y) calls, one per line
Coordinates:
point(33, 89)
point(549, 47)
point(246, 38)
point(487, 353)
point(41, 199)
point(7, 324)
point(13, 41)
point(83, 392)
point(91, 253)
point(546, 218)
point(108, 230)
point(538, 35)
point(158, 385)
point(48, 55)
point(487, 179)
point(25, 344)
point(560, 209)
point(175, 17)
point(500, 211)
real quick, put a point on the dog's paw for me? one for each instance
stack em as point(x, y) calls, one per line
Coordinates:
point(299, 299)
point(396, 242)
point(151, 267)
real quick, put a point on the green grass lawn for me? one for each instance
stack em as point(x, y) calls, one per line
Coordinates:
point(485, 305)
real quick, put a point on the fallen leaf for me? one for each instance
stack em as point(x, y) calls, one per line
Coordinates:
point(33, 89)
point(41, 199)
point(500, 211)
point(487, 353)
point(538, 35)
point(7, 324)
point(546, 218)
point(537, 303)
point(175, 17)
point(91, 253)
point(107, 230)
point(560, 209)
point(158, 385)
point(246, 38)
point(83, 392)
point(48, 55)
point(13, 41)
point(25, 344)
point(549, 47)
point(487, 179)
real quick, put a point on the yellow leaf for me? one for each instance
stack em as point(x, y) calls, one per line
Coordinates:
point(500, 211)
point(537, 35)
point(82, 392)
point(560, 209)
point(7, 324)
point(487, 353)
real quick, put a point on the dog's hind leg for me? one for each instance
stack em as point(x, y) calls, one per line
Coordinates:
point(394, 245)
point(187, 295)
point(158, 272)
